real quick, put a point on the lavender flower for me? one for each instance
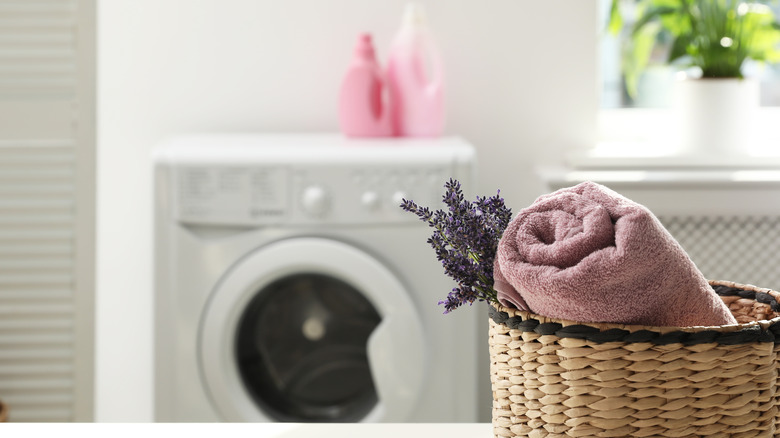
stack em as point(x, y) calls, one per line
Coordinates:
point(465, 239)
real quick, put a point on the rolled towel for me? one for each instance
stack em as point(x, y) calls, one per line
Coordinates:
point(588, 254)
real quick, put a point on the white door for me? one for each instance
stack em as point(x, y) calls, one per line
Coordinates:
point(311, 329)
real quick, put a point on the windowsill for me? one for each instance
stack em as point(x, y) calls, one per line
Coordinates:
point(645, 155)
point(647, 138)
point(638, 147)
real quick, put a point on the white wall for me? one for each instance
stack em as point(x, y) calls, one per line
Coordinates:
point(521, 87)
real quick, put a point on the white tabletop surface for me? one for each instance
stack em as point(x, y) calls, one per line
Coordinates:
point(451, 430)
point(256, 430)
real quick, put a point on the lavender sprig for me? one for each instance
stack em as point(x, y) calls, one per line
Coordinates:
point(465, 239)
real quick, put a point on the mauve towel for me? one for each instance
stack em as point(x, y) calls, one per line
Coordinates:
point(588, 254)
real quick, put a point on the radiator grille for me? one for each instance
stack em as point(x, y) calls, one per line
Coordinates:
point(743, 249)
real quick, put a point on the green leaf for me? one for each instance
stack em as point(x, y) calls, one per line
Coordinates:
point(679, 48)
point(649, 15)
point(677, 21)
point(677, 4)
point(764, 33)
point(615, 18)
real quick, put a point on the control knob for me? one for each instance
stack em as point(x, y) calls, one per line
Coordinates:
point(370, 200)
point(398, 197)
point(315, 200)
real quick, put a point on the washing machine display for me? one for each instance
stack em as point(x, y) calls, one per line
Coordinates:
point(290, 286)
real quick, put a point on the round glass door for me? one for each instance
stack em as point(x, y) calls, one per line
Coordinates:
point(301, 349)
point(311, 329)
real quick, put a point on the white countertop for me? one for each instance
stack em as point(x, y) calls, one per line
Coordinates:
point(255, 430)
point(387, 430)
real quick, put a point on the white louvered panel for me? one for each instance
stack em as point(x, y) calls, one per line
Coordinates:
point(33, 310)
point(23, 415)
point(41, 323)
point(37, 249)
point(32, 233)
point(36, 188)
point(57, 401)
point(33, 356)
point(47, 397)
point(56, 150)
point(56, 405)
point(24, 233)
point(37, 47)
point(37, 375)
point(7, 371)
point(11, 204)
point(47, 208)
point(39, 173)
point(36, 339)
point(36, 263)
point(29, 168)
point(62, 399)
point(51, 219)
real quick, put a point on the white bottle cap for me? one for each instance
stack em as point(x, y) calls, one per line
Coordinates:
point(414, 15)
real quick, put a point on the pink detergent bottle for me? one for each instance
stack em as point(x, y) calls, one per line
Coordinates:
point(416, 96)
point(363, 112)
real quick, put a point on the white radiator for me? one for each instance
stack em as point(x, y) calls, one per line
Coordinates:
point(743, 249)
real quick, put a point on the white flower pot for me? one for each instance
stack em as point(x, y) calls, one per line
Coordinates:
point(716, 116)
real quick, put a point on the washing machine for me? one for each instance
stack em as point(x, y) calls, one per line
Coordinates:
point(290, 286)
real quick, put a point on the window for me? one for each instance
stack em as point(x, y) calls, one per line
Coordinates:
point(644, 125)
point(654, 88)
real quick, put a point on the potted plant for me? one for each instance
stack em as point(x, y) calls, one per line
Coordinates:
point(716, 37)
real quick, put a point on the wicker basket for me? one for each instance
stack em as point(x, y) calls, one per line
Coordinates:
point(554, 378)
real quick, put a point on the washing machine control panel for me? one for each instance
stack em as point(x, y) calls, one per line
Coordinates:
point(303, 194)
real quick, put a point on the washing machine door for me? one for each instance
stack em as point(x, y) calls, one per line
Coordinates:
point(311, 329)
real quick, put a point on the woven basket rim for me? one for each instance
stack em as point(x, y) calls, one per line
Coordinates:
point(578, 329)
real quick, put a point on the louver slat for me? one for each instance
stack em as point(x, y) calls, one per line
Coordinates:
point(36, 324)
